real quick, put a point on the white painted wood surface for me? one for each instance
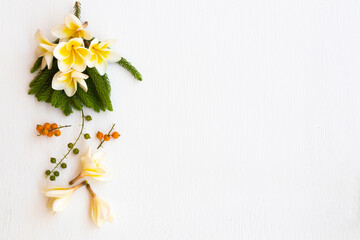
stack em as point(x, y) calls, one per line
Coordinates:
point(246, 125)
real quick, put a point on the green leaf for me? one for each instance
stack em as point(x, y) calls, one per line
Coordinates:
point(77, 9)
point(102, 88)
point(37, 64)
point(127, 65)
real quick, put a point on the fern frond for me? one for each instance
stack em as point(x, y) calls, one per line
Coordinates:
point(127, 65)
point(36, 65)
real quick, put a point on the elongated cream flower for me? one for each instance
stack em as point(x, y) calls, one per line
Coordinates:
point(72, 54)
point(101, 54)
point(93, 166)
point(71, 28)
point(59, 197)
point(99, 209)
point(68, 81)
point(45, 49)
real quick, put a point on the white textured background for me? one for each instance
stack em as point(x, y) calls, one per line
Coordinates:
point(246, 125)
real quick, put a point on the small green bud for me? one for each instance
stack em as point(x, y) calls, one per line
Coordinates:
point(88, 118)
point(47, 172)
point(70, 145)
point(53, 160)
point(52, 178)
point(76, 151)
point(56, 173)
point(63, 165)
point(87, 136)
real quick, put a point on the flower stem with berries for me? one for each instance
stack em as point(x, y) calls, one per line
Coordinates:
point(101, 143)
point(71, 148)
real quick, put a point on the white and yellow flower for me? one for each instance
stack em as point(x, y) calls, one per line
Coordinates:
point(72, 54)
point(100, 210)
point(68, 81)
point(59, 197)
point(93, 165)
point(101, 54)
point(45, 49)
point(71, 28)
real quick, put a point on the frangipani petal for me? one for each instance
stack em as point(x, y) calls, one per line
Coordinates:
point(100, 210)
point(113, 56)
point(101, 54)
point(61, 52)
point(82, 84)
point(72, 22)
point(101, 68)
point(59, 204)
point(68, 81)
point(106, 44)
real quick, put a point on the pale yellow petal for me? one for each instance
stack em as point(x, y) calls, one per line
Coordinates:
point(59, 204)
point(87, 34)
point(72, 22)
point(57, 82)
point(113, 56)
point(49, 59)
point(107, 43)
point(82, 83)
point(61, 31)
point(43, 63)
point(61, 52)
point(101, 68)
point(70, 88)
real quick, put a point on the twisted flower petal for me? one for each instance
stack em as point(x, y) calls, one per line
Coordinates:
point(101, 54)
point(100, 210)
point(71, 28)
point(59, 197)
point(45, 49)
point(68, 81)
point(72, 54)
point(93, 165)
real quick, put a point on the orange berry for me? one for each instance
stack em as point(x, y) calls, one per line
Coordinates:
point(99, 135)
point(50, 134)
point(115, 135)
point(57, 133)
point(39, 128)
point(54, 126)
point(44, 132)
point(106, 137)
point(47, 126)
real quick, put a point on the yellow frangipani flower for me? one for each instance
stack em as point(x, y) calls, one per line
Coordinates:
point(101, 54)
point(99, 209)
point(93, 166)
point(71, 28)
point(72, 54)
point(45, 49)
point(68, 81)
point(59, 197)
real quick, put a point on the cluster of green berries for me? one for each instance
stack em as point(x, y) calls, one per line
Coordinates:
point(55, 173)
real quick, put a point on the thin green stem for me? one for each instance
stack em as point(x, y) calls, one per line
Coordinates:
point(107, 134)
point(77, 139)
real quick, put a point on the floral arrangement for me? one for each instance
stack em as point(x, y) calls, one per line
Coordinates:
point(73, 76)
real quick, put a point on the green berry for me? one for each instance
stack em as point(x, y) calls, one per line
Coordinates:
point(87, 136)
point(63, 165)
point(47, 172)
point(56, 173)
point(53, 160)
point(76, 151)
point(70, 145)
point(52, 178)
point(88, 118)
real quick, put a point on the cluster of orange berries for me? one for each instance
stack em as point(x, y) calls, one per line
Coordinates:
point(106, 137)
point(48, 130)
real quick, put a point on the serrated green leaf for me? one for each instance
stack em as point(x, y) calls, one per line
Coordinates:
point(36, 65)
point(127, 65)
